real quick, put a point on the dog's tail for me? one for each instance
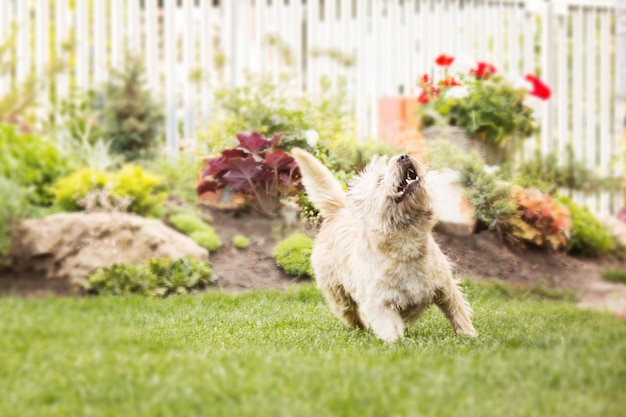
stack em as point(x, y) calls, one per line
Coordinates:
point(324, 191)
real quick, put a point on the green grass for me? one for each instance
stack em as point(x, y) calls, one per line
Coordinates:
point(283, 354)
point(615, 275)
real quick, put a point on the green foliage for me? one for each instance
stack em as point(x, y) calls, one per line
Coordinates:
point(350, 156)
point(30, 161)
point(187, 223)
point(78, 129)
point(144, 189)
point(201, 233)
point(241, 241)
point(293, 255)
point(156, 277)
point(207, 238)
point(141, 190)
point(70, 190)
point(615, 275)
point(485, 191)
point(546, 174)
point(13, 197)
point(265, 106)
point(588, 237)
point(132, 118)
point(179, 173)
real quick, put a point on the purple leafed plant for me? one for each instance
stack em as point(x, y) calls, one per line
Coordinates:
point(256, 168)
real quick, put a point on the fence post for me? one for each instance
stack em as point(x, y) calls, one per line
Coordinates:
point(620, 18)
point(547, 64)
point(170, 30)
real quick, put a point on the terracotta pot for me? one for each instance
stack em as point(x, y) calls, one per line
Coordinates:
point(398, 122)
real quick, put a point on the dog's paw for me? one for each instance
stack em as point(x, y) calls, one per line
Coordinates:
point(469, 332)
point(389, 333)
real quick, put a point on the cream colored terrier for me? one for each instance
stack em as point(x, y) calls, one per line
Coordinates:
point(375, 258)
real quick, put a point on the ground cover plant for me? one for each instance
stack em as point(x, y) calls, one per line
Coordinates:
point(283, 354)
point(293, 255)
point(155, 277)
point(197, 229)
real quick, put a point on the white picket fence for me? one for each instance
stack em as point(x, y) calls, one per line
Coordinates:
point(572, 44)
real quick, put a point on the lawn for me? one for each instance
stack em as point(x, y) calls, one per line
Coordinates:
point(268, 353)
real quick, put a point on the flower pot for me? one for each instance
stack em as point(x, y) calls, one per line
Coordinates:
point(398, 118)
point(491, 154)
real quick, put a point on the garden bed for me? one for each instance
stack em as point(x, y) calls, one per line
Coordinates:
point(478, 256)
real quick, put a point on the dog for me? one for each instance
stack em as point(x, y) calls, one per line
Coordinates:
point(374, 258)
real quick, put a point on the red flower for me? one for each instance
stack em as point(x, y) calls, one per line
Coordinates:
point(449, 82)
point(444, 60)
point(425, 79)
point(540, 89)
point(483, 70)
point(423, 98)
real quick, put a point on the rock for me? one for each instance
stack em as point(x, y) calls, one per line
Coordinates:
point(72, 245)
point(616, 226)
point(455, 213)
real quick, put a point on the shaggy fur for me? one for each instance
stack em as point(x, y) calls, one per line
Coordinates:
point(374, 258)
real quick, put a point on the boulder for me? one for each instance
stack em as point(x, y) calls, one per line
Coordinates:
point(72, 245)
point(455, 213)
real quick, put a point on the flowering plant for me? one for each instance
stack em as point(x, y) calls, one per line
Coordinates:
point(539, 219)
point(490, 106)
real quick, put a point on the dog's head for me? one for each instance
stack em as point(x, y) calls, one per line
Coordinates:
point(392, 192)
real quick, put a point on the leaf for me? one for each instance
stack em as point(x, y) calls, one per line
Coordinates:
point(276, 139)
point(252, 142)
point(278, 159)
point(233, 153)
point(214, 167)
point(206, 186)
point(267, 176)
point(242, 172)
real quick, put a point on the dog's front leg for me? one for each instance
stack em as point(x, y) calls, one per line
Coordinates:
point(385, 322)
point(452, 302)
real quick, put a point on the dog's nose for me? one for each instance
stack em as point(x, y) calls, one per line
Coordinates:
point(404, 158)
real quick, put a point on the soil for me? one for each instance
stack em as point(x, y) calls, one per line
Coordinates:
point(478, 256)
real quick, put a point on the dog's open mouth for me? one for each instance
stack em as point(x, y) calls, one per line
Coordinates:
point(405, 187)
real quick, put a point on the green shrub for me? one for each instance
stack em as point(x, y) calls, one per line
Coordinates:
point(131, 187)
point(263, 105)
point(30, 161)
point(145, 189)
point(180, 174)
point(615, 275)
point(207, 238)
point(193, 226)
point(70, 190)
point(13, 198)
point(156, 277)
point(241, 241)
point(187, 223)
point(293, 255)
point(588, 237)
point(132, 118)
point(546, 174)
